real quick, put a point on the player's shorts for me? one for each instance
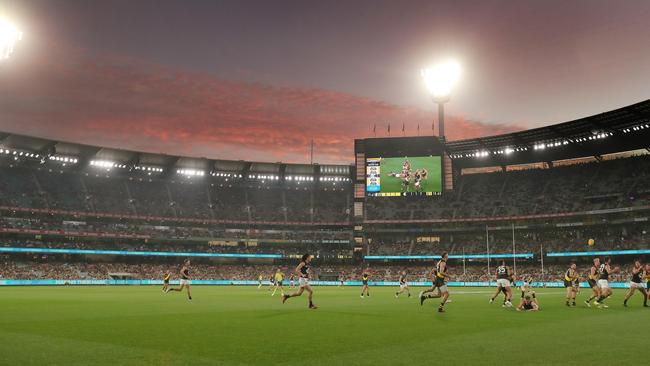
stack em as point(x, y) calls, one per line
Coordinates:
point(442, 288)
point(503, 282)
point(185, 282)
point(568, 284)
point(166, 282)
point(638, 285)
point(365, 282)
point(403, 285)
point(603, 284)
point(440, 283)
point(592, 283)
point(291, 282)
point(303, 282)
point(279, 283)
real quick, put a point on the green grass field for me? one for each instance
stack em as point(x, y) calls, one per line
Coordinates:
point(391, 184)
point(246, 326)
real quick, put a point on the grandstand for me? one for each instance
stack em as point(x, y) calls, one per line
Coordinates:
point(536, 192)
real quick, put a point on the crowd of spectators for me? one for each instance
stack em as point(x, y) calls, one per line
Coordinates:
point(572, 188)
point(175, 197)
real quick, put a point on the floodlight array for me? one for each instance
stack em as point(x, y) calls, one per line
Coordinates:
point(191, 172)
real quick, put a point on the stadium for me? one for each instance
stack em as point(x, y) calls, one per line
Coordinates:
point(114, 256)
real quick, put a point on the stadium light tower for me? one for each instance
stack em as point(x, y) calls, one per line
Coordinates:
point(9, 35)
point(440, 80)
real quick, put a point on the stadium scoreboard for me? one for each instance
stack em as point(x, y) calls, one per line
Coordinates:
point(401, 167)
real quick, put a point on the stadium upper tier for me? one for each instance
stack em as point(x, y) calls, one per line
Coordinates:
point(74, 180)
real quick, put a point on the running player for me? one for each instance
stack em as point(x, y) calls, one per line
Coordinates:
point(260, 279)
point(272, 282)
point(291, 277)
point(342, 279)
point(439, 275)
point(503, 274)
point(303, 280)
point(279, 277)
point(604, 271)
point(636, 283)
point(403, 285)
point(570, 280)
point(168, 275)
point(592, 280)
point(528, 305)
point(364, 280)
point(185, 280)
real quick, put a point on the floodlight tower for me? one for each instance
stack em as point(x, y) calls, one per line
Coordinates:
point(9, 36)
point(440, 80)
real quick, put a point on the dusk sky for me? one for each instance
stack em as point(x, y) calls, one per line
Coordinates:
point(257, 80)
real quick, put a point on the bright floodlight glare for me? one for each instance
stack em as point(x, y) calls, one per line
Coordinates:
point(440, 79)
point(9, 35)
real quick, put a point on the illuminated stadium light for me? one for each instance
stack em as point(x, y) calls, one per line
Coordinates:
point(64, 159)
point(441, 79)
point(191, 172)
point(103, 164)
point(17, 153)
point(148, 169)
point(9, 36)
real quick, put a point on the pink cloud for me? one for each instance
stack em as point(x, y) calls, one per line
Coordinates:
point(124, 103)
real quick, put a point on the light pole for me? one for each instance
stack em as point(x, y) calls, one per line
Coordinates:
point(440, 80)
point(9, 36)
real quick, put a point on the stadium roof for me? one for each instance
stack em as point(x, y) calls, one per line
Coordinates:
point(623, 129)
point(37, 149)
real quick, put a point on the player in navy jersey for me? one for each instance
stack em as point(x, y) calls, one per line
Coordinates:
point(185, 280)
point(604, 271)
point(302, 271)
point(503, 274)
point(636, 283)
point(403, 285)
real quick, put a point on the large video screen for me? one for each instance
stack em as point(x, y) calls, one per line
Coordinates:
point(404, 176)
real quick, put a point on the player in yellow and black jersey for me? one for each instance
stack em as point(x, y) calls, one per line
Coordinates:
point(166, 278)
point(278, 277)
point(365, 277)
point(592, 279)
point(439, 288)
point(571, 284)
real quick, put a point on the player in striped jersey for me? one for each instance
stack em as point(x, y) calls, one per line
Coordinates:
point(166, 279)
point(439, 285)
point(592, 279)
point(571, 284)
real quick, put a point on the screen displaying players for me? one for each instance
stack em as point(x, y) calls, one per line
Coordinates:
point(404, 176)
